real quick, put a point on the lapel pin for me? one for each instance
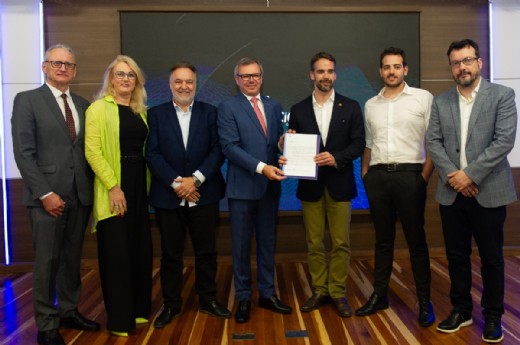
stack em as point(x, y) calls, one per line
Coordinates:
point(340, 104)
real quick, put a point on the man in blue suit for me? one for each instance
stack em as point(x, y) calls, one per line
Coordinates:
point(249, 126)
point(184, 157)
point(472, 130)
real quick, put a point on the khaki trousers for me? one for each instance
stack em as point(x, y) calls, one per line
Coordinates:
point(328, 272)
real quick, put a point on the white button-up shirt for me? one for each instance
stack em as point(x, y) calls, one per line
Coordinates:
point(395, 128)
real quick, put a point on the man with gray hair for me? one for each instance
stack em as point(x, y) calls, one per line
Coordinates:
point(48, 127)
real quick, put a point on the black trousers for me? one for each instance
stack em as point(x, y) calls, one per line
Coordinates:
point(201, 223)
point(460, 222)
point(125, 254)
point(403, 194)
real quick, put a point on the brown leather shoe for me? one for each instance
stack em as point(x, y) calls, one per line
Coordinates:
point(314, 302)
point(342, 307)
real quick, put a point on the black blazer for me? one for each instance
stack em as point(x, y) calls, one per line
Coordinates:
point(345, 141)
point(167, 158)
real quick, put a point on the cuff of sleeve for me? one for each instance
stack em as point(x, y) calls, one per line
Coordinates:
point(44, 196)
point(200, 176)
point(260, 167)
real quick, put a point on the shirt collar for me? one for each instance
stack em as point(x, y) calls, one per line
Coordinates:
point(473, 93)
point(406, 90)
point(330, 100)
point(249, 97)
point(56, 92)
point(177, 108)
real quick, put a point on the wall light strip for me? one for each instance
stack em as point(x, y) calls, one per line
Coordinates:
point(4, 177)
point(42, 43)
point(491, 48)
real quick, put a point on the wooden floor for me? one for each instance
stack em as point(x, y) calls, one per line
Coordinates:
point(396, 325)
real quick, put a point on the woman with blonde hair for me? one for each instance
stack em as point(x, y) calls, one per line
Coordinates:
point(115, 134)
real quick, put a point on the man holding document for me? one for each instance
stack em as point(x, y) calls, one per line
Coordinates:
point(337, 124)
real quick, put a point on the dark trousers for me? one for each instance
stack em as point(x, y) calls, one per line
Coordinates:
point(460, 222)
point(258, 217)
point(57, 244)
point(403, 194)
point(201, 223)
point(125, 268)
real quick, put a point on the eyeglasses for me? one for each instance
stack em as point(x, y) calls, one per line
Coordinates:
point(122, 75)
point(246, 77)
point(466, 61)
point(58, 64)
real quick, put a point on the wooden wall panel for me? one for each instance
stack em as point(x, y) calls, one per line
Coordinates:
point(91, 27)
point(291, 233)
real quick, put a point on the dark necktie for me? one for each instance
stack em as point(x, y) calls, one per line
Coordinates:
point(68, 118)
point(258, 112)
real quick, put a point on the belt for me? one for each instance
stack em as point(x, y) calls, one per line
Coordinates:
point(393, 167)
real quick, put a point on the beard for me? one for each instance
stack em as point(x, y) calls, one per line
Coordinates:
point(324, 88)
point(393, 84)
point(464, 82)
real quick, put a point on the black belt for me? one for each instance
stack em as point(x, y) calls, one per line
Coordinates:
point(393, 167)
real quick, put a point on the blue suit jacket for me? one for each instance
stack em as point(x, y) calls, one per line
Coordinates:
point(167, 158)
point(245, 145)
point(345, 141)
point(491, 136)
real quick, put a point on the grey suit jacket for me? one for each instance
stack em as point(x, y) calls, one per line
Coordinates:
point(44, 153)
point(491, 136)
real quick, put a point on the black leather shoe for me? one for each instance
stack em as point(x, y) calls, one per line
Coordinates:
point(213, 308)
point(314, 302)
point(166, 316)
point(493, 331)
point(454, 322)
point(52, 337)
point(243, 311)
point(426, 315)
point(78, 321)
point(342, 307)
point(375, 303)
point(274, 304)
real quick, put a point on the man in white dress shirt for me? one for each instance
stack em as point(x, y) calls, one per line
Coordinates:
point(396, 170)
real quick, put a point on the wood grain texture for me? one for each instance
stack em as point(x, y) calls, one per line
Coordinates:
point(396, 325)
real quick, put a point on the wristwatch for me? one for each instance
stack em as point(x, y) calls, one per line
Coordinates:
point(196, 181)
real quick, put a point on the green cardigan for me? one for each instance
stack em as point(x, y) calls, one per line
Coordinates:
point(103, 153)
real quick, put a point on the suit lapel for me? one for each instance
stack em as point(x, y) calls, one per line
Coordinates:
point(81, 114)
point(173, 121)
point(455, 112)
point(48, 97)
point(248, 107)
point(196, 118)
point(480, 100)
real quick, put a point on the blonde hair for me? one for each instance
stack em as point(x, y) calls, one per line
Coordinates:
point(138, 99)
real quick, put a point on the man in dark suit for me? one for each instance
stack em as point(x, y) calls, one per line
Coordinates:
point(472, 130)
point(184, 156)
point(48, 140)
point(339, 122)
point(249, 126)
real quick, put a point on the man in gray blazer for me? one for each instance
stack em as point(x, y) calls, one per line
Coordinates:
point(471, 131)
point(48, 140)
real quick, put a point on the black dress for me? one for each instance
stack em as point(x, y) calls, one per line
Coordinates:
point(124, 243)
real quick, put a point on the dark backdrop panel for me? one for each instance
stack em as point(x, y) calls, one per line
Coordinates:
point(283, 42)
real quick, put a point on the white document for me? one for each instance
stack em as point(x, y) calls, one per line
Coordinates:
point(300, 150)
